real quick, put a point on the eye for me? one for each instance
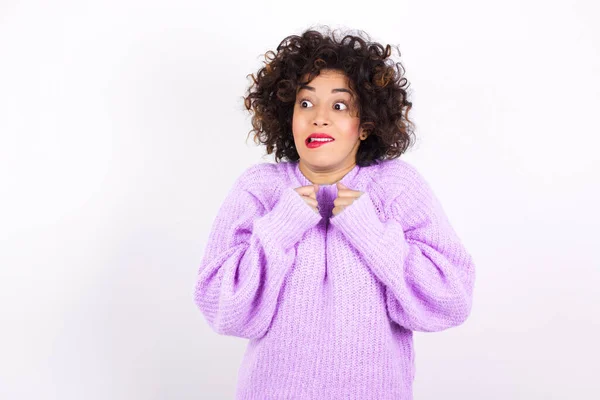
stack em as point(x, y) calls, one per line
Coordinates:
point(343, 103)
point(303, 101)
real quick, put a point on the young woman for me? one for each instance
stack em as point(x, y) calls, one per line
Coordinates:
point(330, 260)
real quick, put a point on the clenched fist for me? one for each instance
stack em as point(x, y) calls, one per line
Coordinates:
point(309, 195)
point(346, 197)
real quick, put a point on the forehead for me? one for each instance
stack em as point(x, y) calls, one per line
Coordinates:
point(327, 81)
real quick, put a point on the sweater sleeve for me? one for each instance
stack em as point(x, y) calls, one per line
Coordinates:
point(427, 273)
point(248, 254)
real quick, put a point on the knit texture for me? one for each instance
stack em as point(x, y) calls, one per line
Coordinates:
point(330, 303)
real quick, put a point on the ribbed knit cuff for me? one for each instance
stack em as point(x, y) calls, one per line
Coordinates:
point(287, 222)
point(371, 237)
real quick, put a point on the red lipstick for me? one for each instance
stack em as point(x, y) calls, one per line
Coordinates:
point(319, 140)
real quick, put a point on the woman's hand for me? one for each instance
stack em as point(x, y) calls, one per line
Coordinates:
point(309, 195)
point(346, 197)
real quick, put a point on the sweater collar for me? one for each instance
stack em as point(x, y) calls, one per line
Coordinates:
point(347, 179)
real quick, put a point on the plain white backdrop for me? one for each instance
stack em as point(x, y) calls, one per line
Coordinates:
point(122, 129)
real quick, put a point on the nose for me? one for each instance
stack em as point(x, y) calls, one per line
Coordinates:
point(321, 118)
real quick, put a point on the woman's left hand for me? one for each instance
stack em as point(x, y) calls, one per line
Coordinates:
point(346, 197)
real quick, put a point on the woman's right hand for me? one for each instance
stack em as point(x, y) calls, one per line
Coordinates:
point(309, 195)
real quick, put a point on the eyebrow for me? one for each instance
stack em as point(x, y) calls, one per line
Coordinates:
point(336, 90)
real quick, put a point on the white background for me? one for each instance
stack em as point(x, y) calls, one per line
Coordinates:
point(122, 129)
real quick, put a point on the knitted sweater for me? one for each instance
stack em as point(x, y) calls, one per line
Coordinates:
point(329, 303)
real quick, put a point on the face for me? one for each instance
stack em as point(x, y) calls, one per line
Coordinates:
point(326, 106)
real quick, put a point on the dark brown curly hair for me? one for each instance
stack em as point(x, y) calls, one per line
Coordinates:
point(376, 81)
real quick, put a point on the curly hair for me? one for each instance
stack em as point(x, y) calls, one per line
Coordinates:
point(377, 82)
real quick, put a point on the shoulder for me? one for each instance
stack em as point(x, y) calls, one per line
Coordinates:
point(397, 176)
point(396, 183)
point(264, 181)
point(257, 173)
point(263, 174)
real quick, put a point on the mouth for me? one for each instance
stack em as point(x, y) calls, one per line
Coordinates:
point(314, 139)
point(313, 143)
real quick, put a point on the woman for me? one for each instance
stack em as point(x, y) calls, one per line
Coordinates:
point(328, 262)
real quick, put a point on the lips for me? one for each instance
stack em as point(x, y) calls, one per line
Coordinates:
point(318, 135)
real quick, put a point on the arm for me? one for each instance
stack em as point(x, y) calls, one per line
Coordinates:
point(428, 274)
point(248, 254)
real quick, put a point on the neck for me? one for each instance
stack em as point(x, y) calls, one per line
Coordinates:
point(325, 176)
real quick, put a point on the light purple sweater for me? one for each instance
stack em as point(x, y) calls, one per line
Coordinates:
point(330, 303)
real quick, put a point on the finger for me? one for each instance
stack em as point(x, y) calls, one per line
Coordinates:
point(345, 191)
point(343, 201)
point(349, 193)
point(305, 190)
point(337, 210)
point(315, 190)
point(311, 201)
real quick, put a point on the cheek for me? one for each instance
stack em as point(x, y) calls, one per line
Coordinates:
point(350, 128)
point(297, 125)
point(298, 122)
